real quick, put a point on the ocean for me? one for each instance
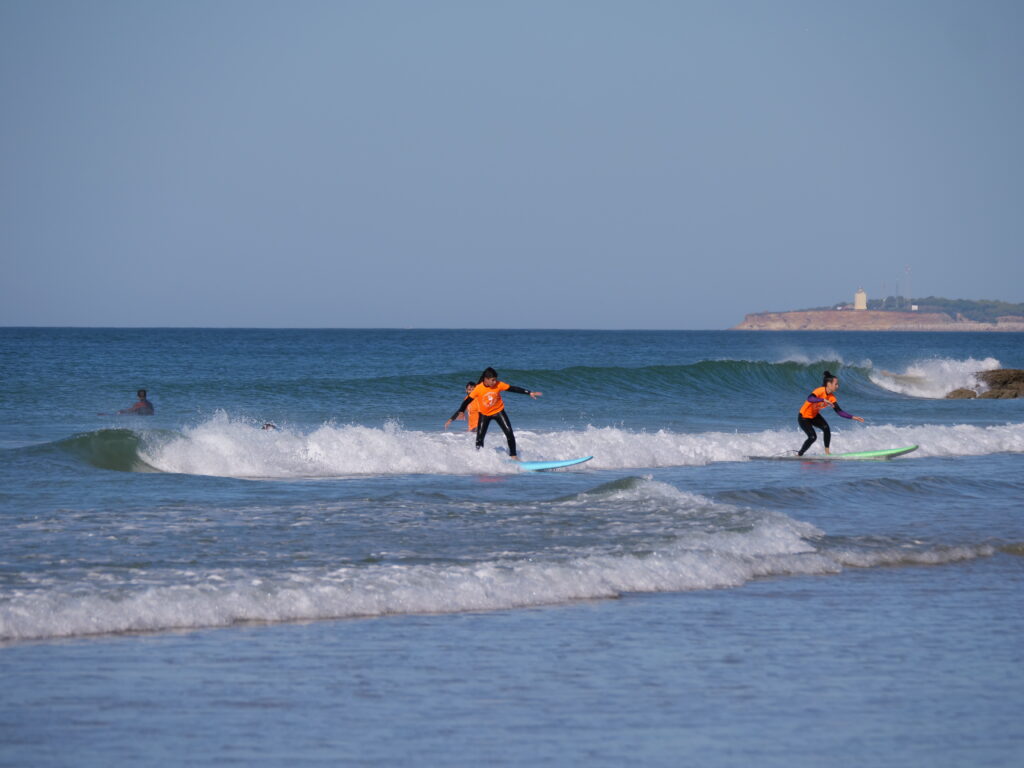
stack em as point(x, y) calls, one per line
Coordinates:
point(355, 585)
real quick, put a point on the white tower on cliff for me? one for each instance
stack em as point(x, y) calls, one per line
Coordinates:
point(860, 299)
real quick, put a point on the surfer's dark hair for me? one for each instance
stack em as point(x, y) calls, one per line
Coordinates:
point(472, 383)
point(489, 373)
point(827, 377)
point(141, 393)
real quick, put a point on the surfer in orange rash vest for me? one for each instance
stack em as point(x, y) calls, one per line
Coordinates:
point(810, 413)
point(472, 415)
point(487, 395)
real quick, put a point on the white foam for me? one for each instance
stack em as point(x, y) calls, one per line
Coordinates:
point(729, 547)
point(218, 599)
point(226, 448)
point(936, 440)
point(935, 377)
point(614, 448)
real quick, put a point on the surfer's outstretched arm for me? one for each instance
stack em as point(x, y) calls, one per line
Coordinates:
point(844, 414)
point(521, 391)
point(461, 409)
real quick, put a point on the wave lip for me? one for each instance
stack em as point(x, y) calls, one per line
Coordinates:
point(114, 449)
point(793, 373)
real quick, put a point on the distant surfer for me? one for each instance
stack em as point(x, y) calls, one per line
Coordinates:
point(810, 413)
point(486, 393)
point(472, 415)
point(141, 407)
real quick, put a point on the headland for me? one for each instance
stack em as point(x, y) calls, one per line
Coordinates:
point(931, 314)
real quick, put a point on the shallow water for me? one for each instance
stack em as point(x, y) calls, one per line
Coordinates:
point(878, 666)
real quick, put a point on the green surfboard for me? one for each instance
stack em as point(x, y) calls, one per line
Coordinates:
point(886, 453)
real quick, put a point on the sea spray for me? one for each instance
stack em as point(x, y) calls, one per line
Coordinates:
point(936, 377)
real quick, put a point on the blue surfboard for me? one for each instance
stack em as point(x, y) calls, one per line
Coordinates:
point(537, 466)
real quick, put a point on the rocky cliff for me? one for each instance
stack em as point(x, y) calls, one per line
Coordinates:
point(868, 320)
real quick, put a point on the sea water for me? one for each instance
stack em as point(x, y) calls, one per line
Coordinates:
point(356, 585)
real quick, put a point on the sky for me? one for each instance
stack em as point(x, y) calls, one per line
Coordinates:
point(479, 164)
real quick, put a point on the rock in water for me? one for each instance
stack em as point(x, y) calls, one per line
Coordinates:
point(962, 394)
point(1002, 383)
point(1007, 382)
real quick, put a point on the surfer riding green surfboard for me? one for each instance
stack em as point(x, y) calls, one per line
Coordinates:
point(810, 416)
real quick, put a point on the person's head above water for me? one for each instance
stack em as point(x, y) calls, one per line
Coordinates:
point(489, 375)
point(141, 394)
point(829, 381)
point(469, 386)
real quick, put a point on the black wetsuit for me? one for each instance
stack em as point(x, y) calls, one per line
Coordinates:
point(808, 425)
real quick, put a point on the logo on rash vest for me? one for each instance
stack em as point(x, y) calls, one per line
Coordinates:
point(490, 399)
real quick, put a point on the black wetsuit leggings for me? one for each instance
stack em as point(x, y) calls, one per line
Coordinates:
point(808, 425)
point(506, 426)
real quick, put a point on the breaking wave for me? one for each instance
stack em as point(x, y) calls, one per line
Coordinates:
point(224, 447)
point(713, 546)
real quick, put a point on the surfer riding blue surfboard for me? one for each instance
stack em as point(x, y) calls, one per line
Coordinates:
point(810, 416)
point(487, 396)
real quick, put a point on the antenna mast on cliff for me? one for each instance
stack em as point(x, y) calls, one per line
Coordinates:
point(910, 296)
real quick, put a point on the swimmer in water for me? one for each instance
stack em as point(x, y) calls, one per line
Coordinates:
point(142, 407)
point(472, 415)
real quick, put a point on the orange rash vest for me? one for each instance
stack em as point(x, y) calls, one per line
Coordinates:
point(809, 410)
point(488, 399)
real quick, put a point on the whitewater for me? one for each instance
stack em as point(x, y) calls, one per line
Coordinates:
point(677, 541)
point(225, 447)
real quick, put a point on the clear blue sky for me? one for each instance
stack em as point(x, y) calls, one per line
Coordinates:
point(503, 164)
